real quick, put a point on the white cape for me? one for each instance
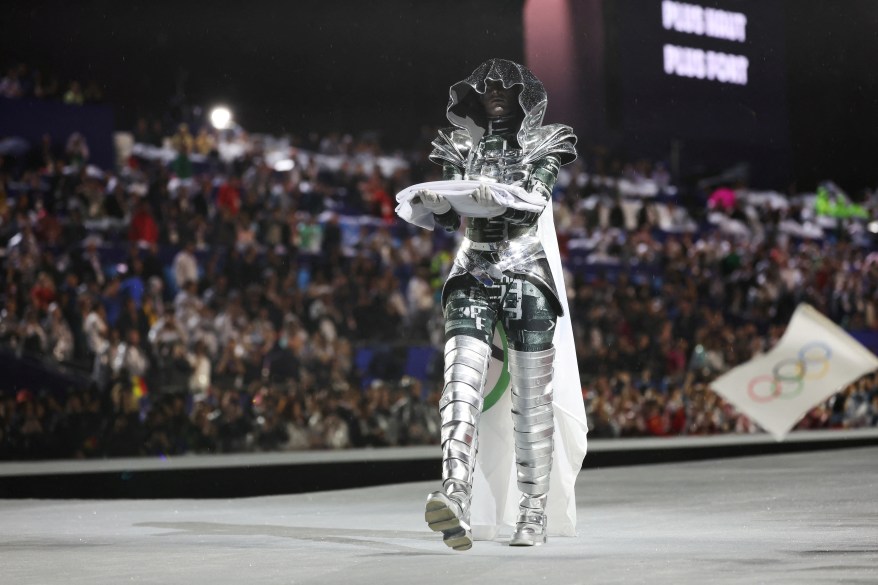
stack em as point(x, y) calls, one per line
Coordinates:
point(495, 492)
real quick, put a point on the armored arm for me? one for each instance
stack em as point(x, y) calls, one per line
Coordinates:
point(542, 179)
point(449, 220)
point(450, 149)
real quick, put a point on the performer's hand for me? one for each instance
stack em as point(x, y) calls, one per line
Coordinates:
point(434, 202)
point(484, 199)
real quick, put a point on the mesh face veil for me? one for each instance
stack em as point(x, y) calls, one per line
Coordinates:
point(465, 112)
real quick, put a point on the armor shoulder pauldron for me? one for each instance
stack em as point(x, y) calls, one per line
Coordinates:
point(451, 146)
point(542, 141)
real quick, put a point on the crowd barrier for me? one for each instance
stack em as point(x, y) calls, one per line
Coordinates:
point(259, 474)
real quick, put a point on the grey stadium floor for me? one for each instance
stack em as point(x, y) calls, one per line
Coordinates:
point(794, 518)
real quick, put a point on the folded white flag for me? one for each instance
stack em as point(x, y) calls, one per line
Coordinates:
point(458, 193)
point(813, 360)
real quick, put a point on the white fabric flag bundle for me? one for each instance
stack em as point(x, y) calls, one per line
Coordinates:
point(813, 360)
point(495, 491)
point(458, 193)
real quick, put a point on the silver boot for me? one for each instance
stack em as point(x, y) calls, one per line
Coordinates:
point(532, 414)
point(466, 369)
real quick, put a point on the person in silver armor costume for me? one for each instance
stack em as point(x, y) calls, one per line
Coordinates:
point(500, 275)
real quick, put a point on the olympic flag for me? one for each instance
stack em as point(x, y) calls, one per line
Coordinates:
point(814, 359)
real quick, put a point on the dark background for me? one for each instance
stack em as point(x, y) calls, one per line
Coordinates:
point(832, 73)
point(386, 66)
point(710, 124)
point(281, 66)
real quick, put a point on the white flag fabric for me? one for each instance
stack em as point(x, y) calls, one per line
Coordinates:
point(813, 360)
point(457, 193)
point(495, 490)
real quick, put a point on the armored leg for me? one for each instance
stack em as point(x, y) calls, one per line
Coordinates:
point(531, 381)
point(466, 369)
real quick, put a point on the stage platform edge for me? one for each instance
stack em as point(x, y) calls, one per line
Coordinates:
point(260, 474)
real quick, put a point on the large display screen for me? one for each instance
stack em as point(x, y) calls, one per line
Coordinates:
point(701, 82)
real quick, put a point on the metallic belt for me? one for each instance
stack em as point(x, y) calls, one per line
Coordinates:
point(485, 246)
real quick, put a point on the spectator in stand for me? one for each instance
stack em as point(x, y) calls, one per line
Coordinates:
point(130, 357)
point(10, 85)
point(275, 329)
point(45, 87)
point(34, 338)
point(228, 199)
point(205, 142)
point(199, 360)
point(141, 132)
point(417, 420)
point(185, 265)
point(143, 225)
point(722, 199)
point(77, 150)
point(73, 95)
point(92, 93)
point(42, 293)
point(184, 144)
point(421, 304)
point(60, 337)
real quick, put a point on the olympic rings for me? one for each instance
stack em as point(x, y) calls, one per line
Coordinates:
point(791, 372)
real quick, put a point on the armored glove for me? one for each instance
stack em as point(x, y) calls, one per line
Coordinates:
point(484, 199)
point(434, 202)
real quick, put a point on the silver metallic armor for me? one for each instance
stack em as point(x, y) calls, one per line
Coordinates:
point(466, 369)
point(533, 416)
point(501, 274)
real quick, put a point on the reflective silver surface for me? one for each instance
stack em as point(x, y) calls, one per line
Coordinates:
point(533, 423)
point(466, 369)
point(465, 112)
point(451, 146)
point(495, 250)
point(518, 255)
point(443, 514)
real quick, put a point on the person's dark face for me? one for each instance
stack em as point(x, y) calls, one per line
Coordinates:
point(497, 100)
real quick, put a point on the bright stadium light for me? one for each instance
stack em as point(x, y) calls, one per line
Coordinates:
point(221, 117)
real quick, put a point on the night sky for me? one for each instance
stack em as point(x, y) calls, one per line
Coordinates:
point(353, 66)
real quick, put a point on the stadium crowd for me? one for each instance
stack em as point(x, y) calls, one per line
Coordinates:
point(218, 301)
point(23, 81)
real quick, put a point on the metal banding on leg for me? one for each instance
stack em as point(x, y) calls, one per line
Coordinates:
point(466, 369)
point(456, 468)
point(460, 393)
point(462, 375)
point(464, 341)
point(528, 437)
point(521, 420)
point(460, 358)
point(531, 359)
point(457, 412)
point(534, 426)
point(532, 385)
point(520, 404)
point(545, 444)
point(537, 461)
point(465, 395)
point(464, 433)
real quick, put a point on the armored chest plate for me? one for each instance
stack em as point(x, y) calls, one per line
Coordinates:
point(493, 160)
